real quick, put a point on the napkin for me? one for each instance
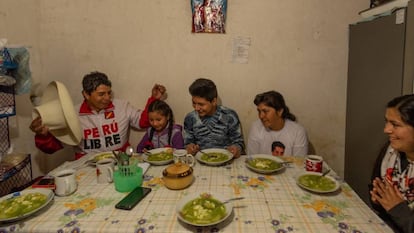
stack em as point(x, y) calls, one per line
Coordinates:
point(144, 167)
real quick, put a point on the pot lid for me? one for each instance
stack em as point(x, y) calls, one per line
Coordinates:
point(178, 170)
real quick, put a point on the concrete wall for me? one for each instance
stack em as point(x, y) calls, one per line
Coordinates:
point(299, 48)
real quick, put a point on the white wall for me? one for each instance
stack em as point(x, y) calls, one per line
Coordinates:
point(298, 48)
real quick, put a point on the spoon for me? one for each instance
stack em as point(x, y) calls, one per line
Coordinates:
point(129, 150)
point(124, 163)
point(116, 154)
point(204, 153)
point(207, 154)
point(326, 172)
point(233, 199)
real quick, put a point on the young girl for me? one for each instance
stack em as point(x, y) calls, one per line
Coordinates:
point(163, 132)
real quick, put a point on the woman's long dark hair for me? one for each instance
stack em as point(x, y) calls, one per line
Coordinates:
point(164, 109)
point(274, 100)
point(405, 106)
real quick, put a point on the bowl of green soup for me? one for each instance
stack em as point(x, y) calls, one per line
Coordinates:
point(315, 182)
point(214, 156)
point(203, 209)
point(264, 164)
point(159, 156)
point(19, 205)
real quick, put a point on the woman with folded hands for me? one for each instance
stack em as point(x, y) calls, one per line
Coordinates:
point(392, 192)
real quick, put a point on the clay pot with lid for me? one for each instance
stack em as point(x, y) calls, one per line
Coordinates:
point(178, 176)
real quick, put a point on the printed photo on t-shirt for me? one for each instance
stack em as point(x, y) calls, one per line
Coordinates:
point(278, 148)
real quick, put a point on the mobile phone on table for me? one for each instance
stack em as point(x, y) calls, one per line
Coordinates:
point(133, 198)
point(45, 182)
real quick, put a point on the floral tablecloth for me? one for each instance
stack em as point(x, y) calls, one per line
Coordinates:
point(272, 203)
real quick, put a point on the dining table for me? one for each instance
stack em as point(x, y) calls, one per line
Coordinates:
point(271, 202)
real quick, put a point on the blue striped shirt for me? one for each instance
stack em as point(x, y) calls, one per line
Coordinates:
point(217, 131)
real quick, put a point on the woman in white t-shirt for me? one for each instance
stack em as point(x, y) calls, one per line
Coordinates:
point(276, 132)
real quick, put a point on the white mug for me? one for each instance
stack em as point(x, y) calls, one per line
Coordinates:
point(181, 156)
point(105, 171)
point(65, 181)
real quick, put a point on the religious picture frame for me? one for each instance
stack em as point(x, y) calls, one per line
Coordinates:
point(208, 16)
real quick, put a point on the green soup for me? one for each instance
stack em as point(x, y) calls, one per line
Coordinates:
point(203, 210)
point(214, 157)
point(162, 156)
point(317, 182)
point(264, 164)
point(21, 205)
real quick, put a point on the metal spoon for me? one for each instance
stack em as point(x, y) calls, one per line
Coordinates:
point(326, 172)
point(232, 199)
point(130, 151)
point(117, 157)
point(147, 153)
point(207, 154)
point(204, 153)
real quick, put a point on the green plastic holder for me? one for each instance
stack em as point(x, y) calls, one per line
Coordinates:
point(128, 177)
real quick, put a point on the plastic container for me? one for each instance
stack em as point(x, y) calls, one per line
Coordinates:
point(128, 177)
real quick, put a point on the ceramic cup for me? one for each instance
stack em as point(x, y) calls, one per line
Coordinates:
point(105, 171)
point(181, 156)
point(313, 163)
point(65, 181)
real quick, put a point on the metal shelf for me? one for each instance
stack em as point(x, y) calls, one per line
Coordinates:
point(15, 171)
point(7, 97)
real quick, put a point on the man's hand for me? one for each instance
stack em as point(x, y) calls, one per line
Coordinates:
point(37, 127)
point(234, 150)
point(192, 148)
point(158, 92)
